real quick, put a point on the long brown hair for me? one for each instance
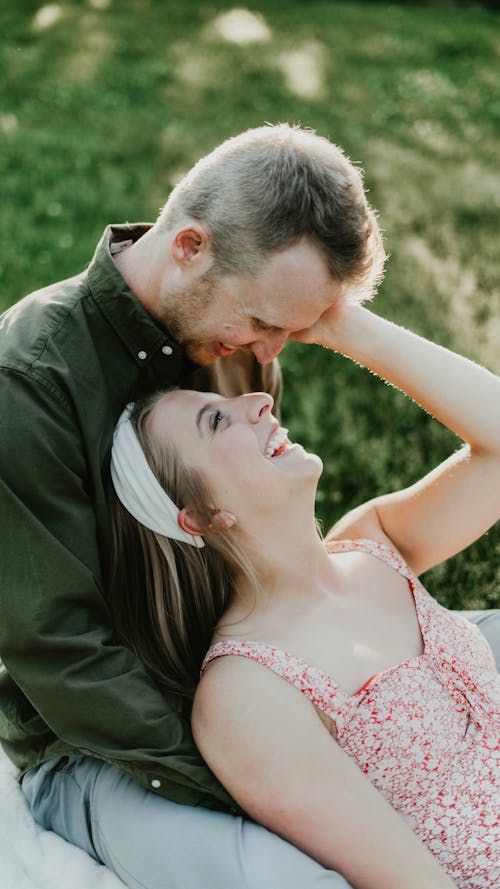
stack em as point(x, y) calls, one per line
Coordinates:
point(166, 597)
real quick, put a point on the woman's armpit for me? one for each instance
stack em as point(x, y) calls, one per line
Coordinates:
point(328, 722)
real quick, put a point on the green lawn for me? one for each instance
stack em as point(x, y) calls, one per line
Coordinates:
point(105, 104)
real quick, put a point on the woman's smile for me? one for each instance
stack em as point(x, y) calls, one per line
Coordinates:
point(277, 442)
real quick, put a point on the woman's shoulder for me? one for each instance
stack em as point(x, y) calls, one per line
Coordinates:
point(233, 692)
point(359, 523)
point(225, 676)
point(360, 531)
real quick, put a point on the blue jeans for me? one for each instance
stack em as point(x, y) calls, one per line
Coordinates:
point(153, 843)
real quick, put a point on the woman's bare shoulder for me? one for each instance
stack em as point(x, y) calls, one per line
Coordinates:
point(239, 694)
point(227, 680)
point(362, 522)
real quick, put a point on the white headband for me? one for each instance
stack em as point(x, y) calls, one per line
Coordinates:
point(137, 487)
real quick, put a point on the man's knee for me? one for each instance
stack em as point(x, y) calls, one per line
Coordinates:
point(152, 842)
point(489, 623)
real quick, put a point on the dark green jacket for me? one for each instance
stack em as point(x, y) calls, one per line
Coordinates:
point(71, 356)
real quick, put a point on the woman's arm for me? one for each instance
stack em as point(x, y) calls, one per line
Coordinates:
point(267, 745)
point(459, 500)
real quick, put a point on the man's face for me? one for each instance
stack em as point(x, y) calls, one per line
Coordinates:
point(214, 318)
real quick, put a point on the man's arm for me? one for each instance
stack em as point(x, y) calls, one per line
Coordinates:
point(55, 634)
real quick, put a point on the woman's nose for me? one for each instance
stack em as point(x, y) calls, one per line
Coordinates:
point(256, 404)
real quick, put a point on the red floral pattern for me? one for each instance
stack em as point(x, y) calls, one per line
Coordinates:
point(425, 732)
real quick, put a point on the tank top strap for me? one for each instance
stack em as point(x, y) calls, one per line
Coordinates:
point(374, 548)
point(312, 682)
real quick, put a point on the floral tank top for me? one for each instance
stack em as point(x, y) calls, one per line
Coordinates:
point(426, 732)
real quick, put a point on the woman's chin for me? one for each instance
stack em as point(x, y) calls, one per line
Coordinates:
point(313, 462)
point(297, 454)
point(308, 466)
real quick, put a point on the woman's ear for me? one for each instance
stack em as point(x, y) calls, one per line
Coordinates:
point(189, 521)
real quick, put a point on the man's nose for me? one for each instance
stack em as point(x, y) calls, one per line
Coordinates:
point(266, 350)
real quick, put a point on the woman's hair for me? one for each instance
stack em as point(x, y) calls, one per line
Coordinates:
point(166, 597)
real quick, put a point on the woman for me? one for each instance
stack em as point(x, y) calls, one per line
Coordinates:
point(385, 690)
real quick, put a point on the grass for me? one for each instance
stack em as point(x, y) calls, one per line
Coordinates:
point(104, 105)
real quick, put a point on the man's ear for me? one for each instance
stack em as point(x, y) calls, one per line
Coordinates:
point(190, 243)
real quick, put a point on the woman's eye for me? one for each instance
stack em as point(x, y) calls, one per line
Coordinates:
point(217, 417)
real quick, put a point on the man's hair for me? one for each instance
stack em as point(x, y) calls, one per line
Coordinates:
point(268, 188)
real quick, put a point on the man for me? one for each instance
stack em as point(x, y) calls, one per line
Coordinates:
point(259, 239)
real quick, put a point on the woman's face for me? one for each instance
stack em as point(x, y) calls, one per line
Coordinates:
point(230, 442)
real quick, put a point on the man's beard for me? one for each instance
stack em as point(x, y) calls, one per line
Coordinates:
point(184, 318)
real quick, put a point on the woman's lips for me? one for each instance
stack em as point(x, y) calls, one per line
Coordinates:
point(283, 446)
point(276, 440)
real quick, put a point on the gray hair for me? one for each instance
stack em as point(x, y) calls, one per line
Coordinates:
point(267, 189)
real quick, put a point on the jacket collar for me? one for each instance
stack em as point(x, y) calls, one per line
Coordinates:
point(139, 332)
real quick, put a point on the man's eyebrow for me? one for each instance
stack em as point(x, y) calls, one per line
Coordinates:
point(199, 416)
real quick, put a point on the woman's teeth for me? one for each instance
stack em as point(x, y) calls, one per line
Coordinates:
point(276, 441)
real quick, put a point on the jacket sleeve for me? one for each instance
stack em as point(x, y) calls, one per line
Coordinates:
point(55, 632)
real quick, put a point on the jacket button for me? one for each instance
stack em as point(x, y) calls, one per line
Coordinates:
point(156, 783)
point(142, 354)
point(167, 350)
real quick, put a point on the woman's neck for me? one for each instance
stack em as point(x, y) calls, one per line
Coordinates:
point(291, 565)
